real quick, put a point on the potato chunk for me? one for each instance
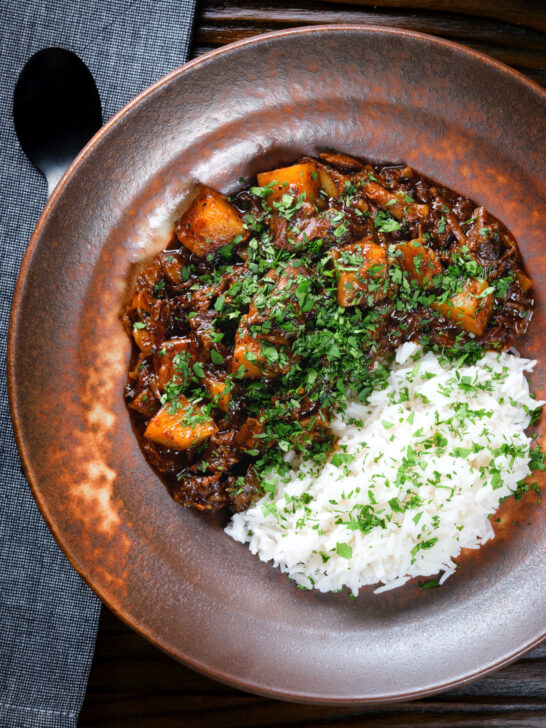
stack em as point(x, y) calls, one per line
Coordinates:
point(362, 272)
point(295, 180)
point(181, 426)
point(144, 340)
point(219, 389)
point(261, 355)
point(210, 223)
point(262, 347)
point(469, 308)
point(167, 364)
point(420, 261)
point(248, 354)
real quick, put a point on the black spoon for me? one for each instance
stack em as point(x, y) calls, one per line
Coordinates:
point(56, 110)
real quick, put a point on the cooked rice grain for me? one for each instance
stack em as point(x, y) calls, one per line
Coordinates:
point(416, 474)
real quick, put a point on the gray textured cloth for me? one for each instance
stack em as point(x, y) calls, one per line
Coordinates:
point(48, 617)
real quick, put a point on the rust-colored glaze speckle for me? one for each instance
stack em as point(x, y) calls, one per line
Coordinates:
point(455, 116)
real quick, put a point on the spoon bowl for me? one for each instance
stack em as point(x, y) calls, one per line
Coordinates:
point(56, 110)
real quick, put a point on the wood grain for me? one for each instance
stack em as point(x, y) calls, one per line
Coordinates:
point(134, 685)
point(220, 22)
point(522, 12)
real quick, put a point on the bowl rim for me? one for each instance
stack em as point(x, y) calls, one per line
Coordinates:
point(26, 458)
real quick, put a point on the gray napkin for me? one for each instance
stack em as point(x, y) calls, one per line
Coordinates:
point(48, 616)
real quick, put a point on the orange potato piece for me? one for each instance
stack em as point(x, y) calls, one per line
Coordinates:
point(421, 262)
point(466, 310)
point(144, 340)
point(248, 353)
point(257, 365)
point(292, 180)
point(219, 388)
point(180, 428)
point(210, 223)
point(246, 344)
point(163, 360)
point(354, 287)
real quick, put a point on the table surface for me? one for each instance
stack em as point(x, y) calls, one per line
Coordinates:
point(134, 684)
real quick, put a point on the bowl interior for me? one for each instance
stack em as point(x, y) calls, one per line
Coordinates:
point(172, 573)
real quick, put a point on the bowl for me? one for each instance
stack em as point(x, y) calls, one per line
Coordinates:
point(170, 573)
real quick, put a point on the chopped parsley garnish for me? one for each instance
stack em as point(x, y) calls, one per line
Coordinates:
point(344, 550)
point(385, 223)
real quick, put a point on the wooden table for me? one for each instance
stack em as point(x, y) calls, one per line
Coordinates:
point(134, 684)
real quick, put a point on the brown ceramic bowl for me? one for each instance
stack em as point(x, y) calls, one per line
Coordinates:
point(171, 573)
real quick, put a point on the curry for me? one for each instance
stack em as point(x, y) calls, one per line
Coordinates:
point(270, 305)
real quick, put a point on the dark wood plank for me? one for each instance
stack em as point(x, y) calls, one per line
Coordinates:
point(530, 13)
point(220, 22)
point(285, 13)
point(132, 684)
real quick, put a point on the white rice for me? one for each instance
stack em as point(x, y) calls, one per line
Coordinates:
point(428, 499)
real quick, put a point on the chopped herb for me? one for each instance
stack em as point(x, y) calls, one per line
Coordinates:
point(344, 550)
point(385, 223)
point(198, 369)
